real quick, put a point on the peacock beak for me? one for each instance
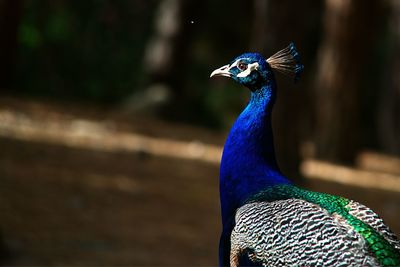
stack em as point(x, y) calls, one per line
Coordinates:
point(223, 71)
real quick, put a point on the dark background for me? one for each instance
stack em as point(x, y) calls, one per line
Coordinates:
point(80, 80)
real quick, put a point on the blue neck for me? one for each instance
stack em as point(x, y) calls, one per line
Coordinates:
point(248, 162)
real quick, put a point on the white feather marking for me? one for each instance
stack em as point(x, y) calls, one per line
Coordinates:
point(250, 68)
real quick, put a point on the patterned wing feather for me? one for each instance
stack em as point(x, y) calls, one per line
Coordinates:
point(369, 217)
point(295, 232)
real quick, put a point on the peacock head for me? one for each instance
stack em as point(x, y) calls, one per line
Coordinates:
point(249, 69)
point(253, 70)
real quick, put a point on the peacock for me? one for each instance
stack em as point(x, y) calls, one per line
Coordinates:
point(266, 219)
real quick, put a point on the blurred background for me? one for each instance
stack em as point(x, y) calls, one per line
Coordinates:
point(111, 131)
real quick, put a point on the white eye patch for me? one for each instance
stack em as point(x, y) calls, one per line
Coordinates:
point(250, 68)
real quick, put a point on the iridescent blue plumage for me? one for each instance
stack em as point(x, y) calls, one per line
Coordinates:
point(259, 204)
point(248, 162)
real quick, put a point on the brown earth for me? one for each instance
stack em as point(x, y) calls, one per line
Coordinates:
point(74, 206)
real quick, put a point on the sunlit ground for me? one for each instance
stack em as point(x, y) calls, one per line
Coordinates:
point(83, 186)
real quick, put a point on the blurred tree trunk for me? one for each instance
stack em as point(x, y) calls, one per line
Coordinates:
point(165, 58)
point(389, 109)
point(10, 13)
point(275, 24)
point(161, 51)
point(349, 32)
point(258, 38)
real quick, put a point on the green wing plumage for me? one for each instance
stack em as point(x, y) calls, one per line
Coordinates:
point(381, 241)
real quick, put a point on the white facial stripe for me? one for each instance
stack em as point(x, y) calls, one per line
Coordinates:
point(234, 64)
point(250, 68)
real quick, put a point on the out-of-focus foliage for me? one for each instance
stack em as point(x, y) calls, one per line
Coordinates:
point(96, 51)
point(82, 49)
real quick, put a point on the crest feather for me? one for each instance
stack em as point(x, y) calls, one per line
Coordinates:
point(287, 61)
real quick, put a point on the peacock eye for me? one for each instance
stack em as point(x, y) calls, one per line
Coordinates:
point(242, 66)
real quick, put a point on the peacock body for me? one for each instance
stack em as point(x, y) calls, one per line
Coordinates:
point(268, 221)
